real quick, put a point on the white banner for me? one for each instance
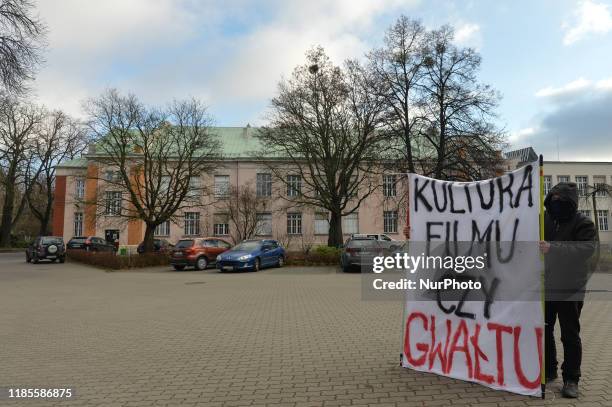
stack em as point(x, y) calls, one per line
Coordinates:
point(496, 341)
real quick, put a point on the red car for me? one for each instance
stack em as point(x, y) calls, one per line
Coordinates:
point(197, 252)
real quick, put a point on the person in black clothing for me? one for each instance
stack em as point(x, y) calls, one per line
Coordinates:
point(569, 243)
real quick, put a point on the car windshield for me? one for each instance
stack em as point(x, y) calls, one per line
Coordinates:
point(78, 240)
point(181, 244)
point(51, 240)
point(247, 246)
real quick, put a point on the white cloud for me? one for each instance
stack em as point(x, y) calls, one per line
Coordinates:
point(469, 35)
point(589, 18)
point(258, 60)
point(604, 84)
point(520, 135)
point(568, 89)
point(233, 52)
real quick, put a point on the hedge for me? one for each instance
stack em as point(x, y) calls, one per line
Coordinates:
point(113, 261)
point(317, 256)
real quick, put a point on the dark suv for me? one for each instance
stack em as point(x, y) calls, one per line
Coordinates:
point(46, 248)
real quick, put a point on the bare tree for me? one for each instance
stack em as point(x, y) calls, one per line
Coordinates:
point(460, 110)
point(324, 128)
point(19, 125)
point(397, 69)
point(160, 157)
point(60, 138)
point(242, 208)
point(22, 37)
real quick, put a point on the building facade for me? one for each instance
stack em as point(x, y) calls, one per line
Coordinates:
point(296, 226)
point(594, 181)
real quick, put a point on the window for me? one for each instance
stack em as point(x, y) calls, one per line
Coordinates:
point(350, 223)
point(221, 224)
point(112, 176)
point(294, 223)
point(192, 223)
point(585, 212)
point(264, 224)
point(78, 224)
point(547, 184)
point(390, 221)
point(264, 184)
point(321, 223)
point(164, 185)
point(599, 181)
point(195, 188)
point(294, 185)
point(582, 181)
point(602, 220)
point(209, 243)
point(222, 184)
point(223, 244)
point(389, 182)
point(562, 178)
point(113, 203)
point(163, 229)
point(79, 188)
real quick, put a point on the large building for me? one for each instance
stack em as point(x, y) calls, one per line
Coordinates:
point(594, 181)
point(298, 226)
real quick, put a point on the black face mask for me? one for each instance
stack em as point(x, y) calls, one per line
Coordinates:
point(560, 209)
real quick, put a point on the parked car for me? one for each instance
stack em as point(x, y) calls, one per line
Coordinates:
point(159, 246)
point(387, 242)
point(91, 244)
point(375, 236)
point(252, 255)
point(359, 252)
point(197, 252)
point(46, 248)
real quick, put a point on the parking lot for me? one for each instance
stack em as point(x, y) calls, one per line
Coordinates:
point(290, 336)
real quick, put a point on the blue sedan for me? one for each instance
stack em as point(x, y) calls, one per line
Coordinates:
point(252, 255)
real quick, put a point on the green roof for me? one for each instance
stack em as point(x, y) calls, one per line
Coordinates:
point(237, 142)
point(74, 163)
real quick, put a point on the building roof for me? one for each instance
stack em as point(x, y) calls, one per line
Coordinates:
point(80, 162)
point(522, 155)
point(236, 142)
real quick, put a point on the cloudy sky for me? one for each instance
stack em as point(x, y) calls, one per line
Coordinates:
point(550, 59)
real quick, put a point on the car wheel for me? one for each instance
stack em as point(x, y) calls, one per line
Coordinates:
point(35, 260)
point(201, 263)
point(28, 259)
point(179, 268)
point(62, 260)
point(281, 261)
point(53, 260)
point(257, 265)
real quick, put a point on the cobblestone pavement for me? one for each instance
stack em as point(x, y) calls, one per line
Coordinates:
point(288, 336)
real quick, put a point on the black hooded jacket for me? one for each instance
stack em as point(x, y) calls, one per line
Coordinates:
point(572, 238)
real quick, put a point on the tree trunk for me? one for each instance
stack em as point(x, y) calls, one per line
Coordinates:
point(148, 242)
point(7, 215)
point(335, 229)
point(46, 218)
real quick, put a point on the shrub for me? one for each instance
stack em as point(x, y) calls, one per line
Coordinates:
point(112, 261)
point(326, 251)
point(318, 256)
